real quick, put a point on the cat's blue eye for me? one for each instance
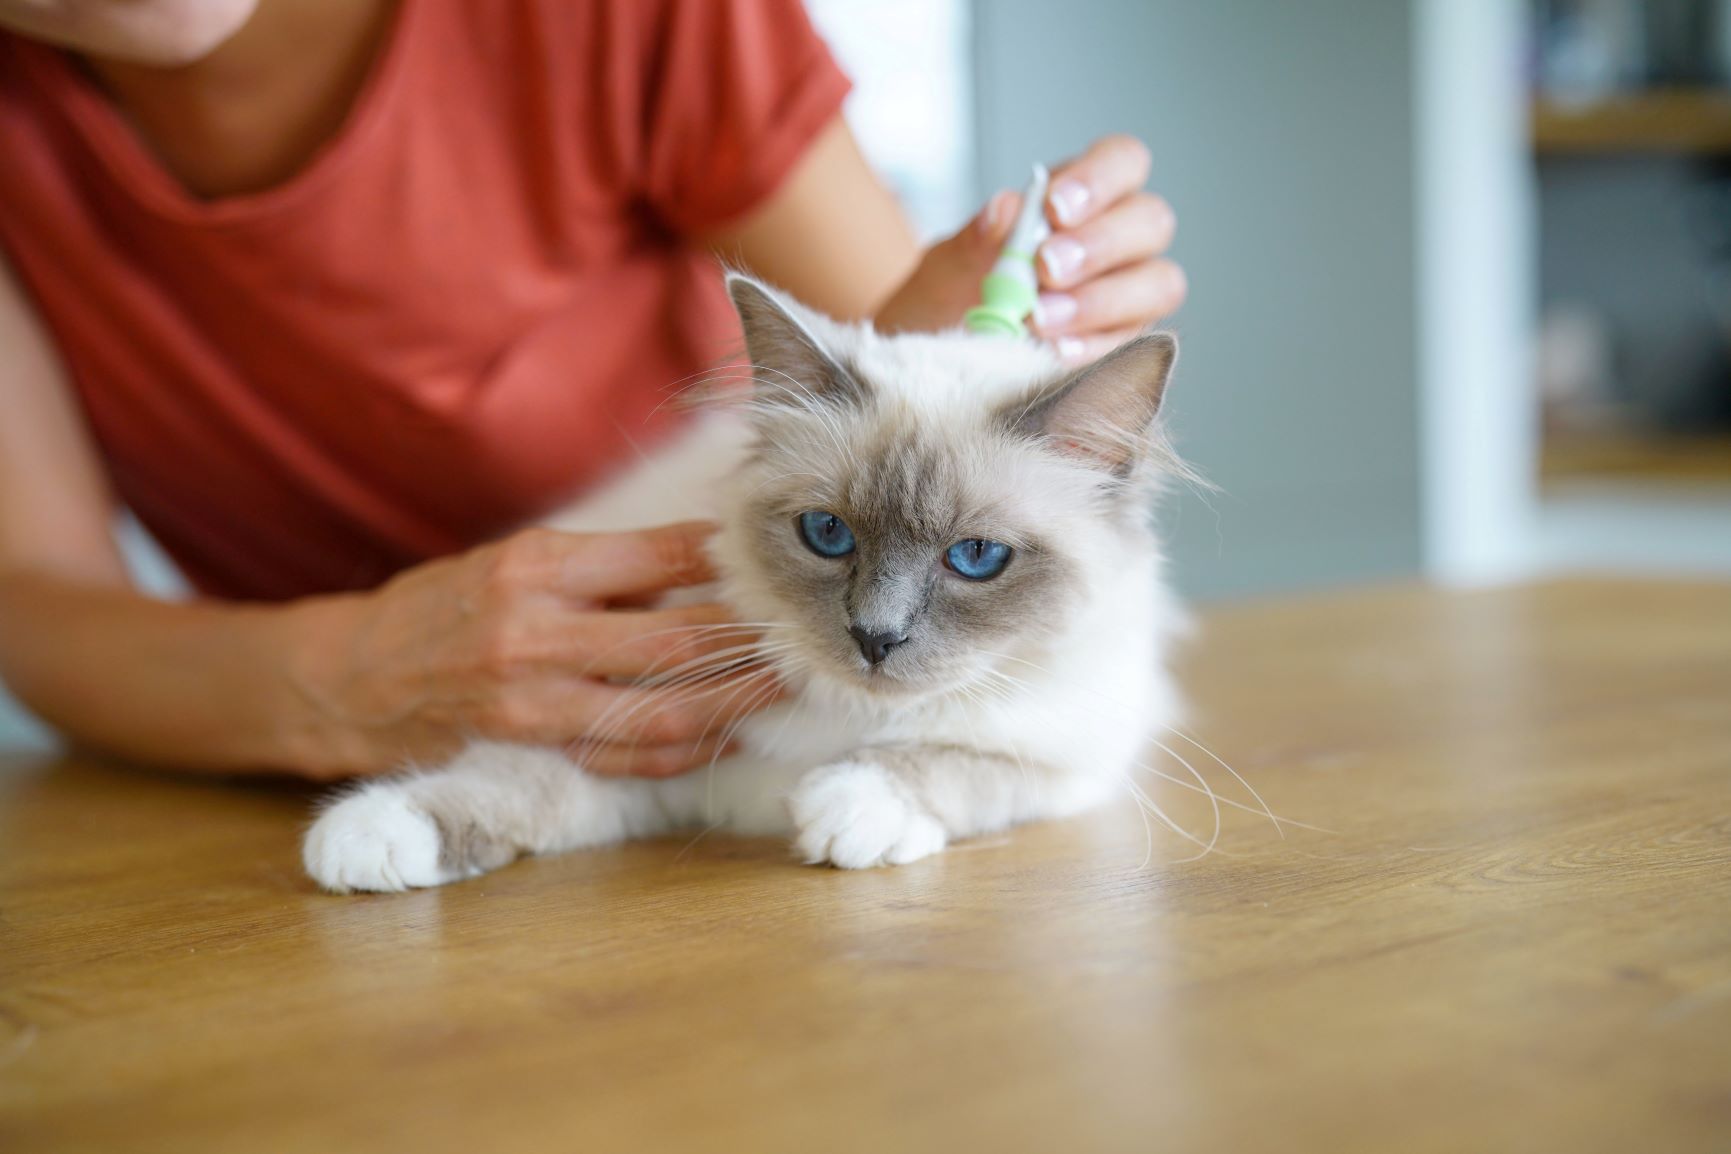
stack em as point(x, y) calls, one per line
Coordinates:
point(825, 534)
point(977, 559)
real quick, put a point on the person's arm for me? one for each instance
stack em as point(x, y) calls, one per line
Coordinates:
point(77, 644)
point(514, 640)
point(834, 237)
point(832, 234)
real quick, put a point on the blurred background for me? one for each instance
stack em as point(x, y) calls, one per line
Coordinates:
point(1460, 269)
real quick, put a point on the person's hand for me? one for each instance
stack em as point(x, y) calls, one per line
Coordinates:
point(534, 639)
point(1103, 273)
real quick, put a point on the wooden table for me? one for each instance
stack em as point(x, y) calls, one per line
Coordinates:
point(1517, 936)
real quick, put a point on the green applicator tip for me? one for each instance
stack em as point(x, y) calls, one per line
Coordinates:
point(1009, 292)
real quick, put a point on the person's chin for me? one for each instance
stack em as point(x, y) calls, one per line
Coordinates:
point(156, 33)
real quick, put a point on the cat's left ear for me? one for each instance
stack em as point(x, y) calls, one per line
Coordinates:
point(792, 367)
point(1105, 411)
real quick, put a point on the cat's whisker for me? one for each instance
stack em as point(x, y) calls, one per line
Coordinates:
point(1166, 819)
point(718, 660)
point(736, 639)
point(1278, 821)
point(795, 665)
point(1147, 829)
point(759, 696)
point(1213, 798)
point(614, 720)
point(715, 822)
point(756, 489)
point(1200, 785)
point(1231, 803)
point(756, 698)
point(815, 406)
point(696, 632)
point(761, 683)
point(1261, 807)
point(680, 391)
point(685, 850)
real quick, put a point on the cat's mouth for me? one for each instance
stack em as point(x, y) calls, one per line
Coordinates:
point(878, 679)
point(894, 680)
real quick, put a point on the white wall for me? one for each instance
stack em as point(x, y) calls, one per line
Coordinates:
point(1477, 290)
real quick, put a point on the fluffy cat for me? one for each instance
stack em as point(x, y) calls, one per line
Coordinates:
point(946, 541)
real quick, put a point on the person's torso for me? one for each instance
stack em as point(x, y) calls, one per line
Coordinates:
point(456, 314)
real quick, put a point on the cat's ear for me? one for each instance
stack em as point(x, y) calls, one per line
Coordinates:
point(1105, 411)
point(791, 366)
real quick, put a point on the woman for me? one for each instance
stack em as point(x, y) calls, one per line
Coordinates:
point(333, 293)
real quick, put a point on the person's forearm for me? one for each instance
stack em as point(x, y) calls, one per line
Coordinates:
point(197, 686)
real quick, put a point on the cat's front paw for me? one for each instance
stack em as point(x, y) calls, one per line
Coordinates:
point(374, 840)
point(857, 815)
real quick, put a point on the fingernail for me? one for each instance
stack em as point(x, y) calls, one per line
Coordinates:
point(1069, 348)
point(1177, 287)
point(992, 215)
point(1069, 199)
point(1063, 258)
point(1054, 309)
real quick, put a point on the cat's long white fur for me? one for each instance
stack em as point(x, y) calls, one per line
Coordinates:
point(855, 778)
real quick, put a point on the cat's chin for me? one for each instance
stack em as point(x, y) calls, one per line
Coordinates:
point(884, 684)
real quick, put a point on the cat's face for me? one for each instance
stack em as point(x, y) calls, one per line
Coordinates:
point(917, 508)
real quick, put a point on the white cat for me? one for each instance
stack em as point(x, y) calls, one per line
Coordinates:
point(946, 542)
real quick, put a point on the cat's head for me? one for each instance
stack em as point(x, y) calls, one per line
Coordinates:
point(917, 507)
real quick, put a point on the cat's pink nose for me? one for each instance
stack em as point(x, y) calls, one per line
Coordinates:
point(876, 646)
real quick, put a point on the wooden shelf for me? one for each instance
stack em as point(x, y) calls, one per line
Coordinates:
point(1636, 456)
point(1684, 121)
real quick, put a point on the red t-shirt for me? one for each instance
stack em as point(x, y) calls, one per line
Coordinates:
point(468, 307)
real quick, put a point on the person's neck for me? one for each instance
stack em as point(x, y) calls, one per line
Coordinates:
point(252, 113)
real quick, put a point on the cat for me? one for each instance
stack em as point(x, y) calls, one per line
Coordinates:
point(947, 543)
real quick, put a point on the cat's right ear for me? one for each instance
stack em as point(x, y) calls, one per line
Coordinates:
point(790, 365)
point(1104, 413)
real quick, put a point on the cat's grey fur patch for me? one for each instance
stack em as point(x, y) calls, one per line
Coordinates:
point(1106, 408)
point(791, 365)
point(908, 498)
point(465, 845)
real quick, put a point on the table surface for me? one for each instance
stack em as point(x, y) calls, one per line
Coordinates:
point(1512, 932)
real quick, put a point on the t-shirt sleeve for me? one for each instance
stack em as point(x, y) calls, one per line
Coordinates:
point(738, 89)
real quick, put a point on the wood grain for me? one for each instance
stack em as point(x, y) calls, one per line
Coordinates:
point(1516, 936)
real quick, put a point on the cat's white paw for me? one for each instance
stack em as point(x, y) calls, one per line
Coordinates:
point(856, 815)
point(374, 840)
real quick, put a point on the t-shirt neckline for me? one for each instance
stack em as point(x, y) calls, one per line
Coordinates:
point(136, 169)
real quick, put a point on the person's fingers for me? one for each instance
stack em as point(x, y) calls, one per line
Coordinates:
point(947, 282)
point(602, 566)
point(630, 601)
point(1139, 227)
point(625, 643)
point(1111, 169)
point(990, 228)
point(664, 716)
point(648, 760)
point(566, 712)
point(668, 714)
point(972, 248)
point(667, 557)
point(1129, 298)
point(1086, 350)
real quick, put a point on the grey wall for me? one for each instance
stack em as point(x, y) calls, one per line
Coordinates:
point(1282, 135)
